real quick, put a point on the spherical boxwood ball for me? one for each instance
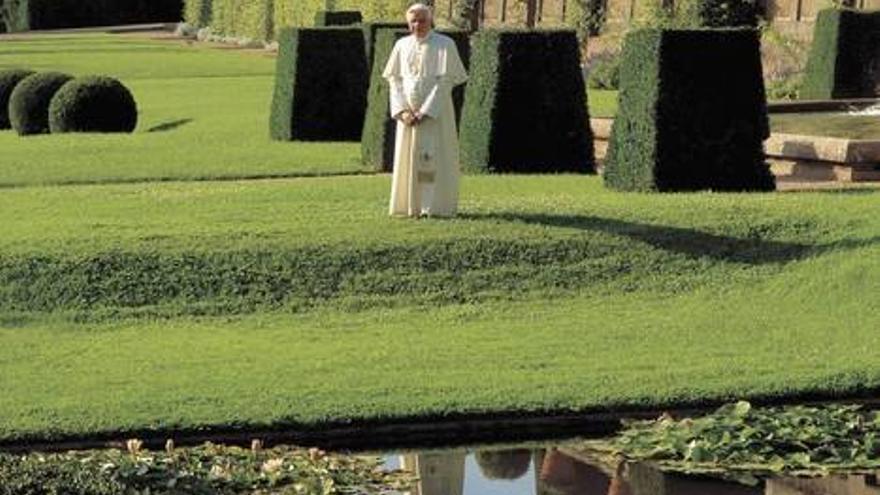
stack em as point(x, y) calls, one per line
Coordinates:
point(29, 103)
point(8, 80)
point(93, 104)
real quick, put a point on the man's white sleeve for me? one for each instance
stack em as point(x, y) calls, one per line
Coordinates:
point(393, 74)
point(453, 74)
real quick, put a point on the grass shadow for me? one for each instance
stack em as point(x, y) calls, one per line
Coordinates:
point(169, 126)
point(689, 242)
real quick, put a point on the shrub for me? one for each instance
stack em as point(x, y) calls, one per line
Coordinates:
point(29, 103)
point(49, 14)
point(843, 57)
point(197, 12)
point(8, 80)
point(338, 18)
point(604, 73)
point(525, 107)
point(93, 104)
point(783, 57)
point(377, 140)
point(692, 14)
point(692, 113)
point(320, 85)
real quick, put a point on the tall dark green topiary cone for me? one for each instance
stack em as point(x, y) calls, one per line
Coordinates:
point(371, 30)
point(525, 106)
point(843, 58)
point(692, 113)
point(377, 140)
point(320, 85)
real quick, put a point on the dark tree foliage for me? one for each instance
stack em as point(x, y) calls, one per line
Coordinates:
point(51, 14)
point(525, 106)
point(8, 80)
point(692, 113)
point(320, 85)
point(377, 140)
point(337, 18)
point(844, 60)
point(93, 104)
point(29, 103)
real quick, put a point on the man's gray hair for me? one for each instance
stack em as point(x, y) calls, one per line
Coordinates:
point(420, 7)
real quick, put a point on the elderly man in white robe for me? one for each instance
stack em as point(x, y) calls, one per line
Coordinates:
point(422, 70)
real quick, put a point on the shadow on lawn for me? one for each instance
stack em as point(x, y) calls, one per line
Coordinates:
point(169, 126)
point(689, 242)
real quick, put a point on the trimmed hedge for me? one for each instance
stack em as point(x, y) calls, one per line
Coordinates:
point(8, 80)
point(197, 12)
point(325, 18)
point(843, 57)
point(692, 113)
point(93, 104)
point(29, 103)
point(371, 29)
point(525, 106)
point(301, 13)
point(27, 15)
point(248, 18)
point(320, 85)
point(377, 140)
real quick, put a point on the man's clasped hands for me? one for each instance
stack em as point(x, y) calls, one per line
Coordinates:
point(410, 117)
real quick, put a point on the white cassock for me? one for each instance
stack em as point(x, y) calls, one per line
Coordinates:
point(422, 74)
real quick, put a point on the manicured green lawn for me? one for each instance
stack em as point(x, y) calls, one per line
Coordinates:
point(621, 300)
point(204, 114)
point(602, 102)
point(158, 306)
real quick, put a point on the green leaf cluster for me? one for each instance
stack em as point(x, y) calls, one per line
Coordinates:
point(525, 106)
point(739, 437)
point(692, 113)
point(843, 55)
point(208, 469)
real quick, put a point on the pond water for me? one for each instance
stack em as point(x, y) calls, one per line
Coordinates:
point(832, 124)
point(564, 470)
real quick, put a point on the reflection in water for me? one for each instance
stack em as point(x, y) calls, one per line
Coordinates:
point(504, 464)
point(562, 471)
point(438, 472)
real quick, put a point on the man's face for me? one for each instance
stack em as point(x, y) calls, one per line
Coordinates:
point(419, 23)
